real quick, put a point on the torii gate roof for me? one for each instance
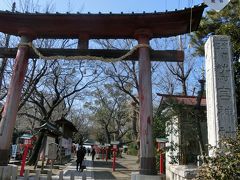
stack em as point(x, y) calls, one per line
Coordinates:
point(101, 26)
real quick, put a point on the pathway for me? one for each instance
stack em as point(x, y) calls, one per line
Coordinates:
point(99, 169)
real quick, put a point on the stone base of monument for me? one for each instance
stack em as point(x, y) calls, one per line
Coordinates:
point(137, 176)
point(183, 172)
point(8, 172)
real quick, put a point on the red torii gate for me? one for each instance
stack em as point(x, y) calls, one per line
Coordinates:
point(140, 26)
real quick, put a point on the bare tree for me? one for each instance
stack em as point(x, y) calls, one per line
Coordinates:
point(124, 74)
point(80, 120)
point(58, 89)
point(178, 70)
point(178, 73)
point(110, 113)
point(4, 60)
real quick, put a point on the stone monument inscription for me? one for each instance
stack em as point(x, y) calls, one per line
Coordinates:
point(220, 90)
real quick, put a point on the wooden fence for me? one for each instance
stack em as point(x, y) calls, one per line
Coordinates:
point(11, 173)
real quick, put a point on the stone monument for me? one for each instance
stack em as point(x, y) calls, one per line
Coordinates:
point(52, 151)
point(220, 90)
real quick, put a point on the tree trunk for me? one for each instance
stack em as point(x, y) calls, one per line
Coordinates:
point(108, 135)
point(134, 122)
point(184, 87)
point(36, 150)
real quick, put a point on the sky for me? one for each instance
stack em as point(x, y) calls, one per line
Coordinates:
point(105, 6)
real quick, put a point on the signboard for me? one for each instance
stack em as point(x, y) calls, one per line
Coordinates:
point(27, 141)
point(64, 143)
point(52, 151)
point(14, 150)
point(216, 4)
point(114, 142)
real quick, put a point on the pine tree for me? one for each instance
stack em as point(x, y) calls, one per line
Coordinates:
point(225, 22)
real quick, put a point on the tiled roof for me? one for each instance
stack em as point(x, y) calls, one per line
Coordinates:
point(187, 100)
point(100, 26)
point(66, 123)
point(99, 13)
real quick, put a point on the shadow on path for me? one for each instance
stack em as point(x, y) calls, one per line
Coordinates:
point(77, 173)
point(97, 169)
point(72, 169)
point(108, 164)
point(86, 163)
point(103, 175)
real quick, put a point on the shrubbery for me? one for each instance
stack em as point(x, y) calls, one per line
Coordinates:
point(225, 164)
point(132, 149)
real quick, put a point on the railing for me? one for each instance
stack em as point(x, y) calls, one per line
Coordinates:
point(11, 173)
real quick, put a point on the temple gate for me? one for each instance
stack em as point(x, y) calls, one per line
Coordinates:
point(142, 27)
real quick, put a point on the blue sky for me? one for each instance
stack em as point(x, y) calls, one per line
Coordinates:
point(105, 6)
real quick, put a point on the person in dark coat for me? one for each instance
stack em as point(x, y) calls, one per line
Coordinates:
point(80, 156)
point(93, 154)
point(88, 151)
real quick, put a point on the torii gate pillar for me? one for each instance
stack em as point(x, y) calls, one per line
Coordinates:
point(147, 158)
point(13, 98)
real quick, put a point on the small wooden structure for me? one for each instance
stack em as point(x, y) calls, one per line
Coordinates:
point(51, 134)
point(65, 141)
point(187, 133)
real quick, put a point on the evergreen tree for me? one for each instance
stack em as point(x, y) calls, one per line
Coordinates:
point(225, 22)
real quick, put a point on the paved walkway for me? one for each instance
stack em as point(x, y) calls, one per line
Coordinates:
point(99, 169)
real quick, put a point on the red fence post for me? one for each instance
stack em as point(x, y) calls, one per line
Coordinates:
point(114, 149)
point(25, 153)
point(106, 153)
point(161, 163)
point(102, 153)
point(114, 159)
point(161, 145)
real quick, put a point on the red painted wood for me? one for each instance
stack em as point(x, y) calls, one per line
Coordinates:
point(147, 158)
point(25, 153)
point(102, 153)
point(145, 97)
point(161, 164)
point(114, 159)
point(13, 97)
point(100, 26)
point(106, 153)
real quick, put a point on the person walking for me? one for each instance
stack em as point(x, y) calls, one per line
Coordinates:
point(80, 157)
point(88, 151)
point(93, 154)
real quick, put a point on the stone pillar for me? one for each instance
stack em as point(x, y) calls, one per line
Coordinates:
point(13, 98)
point(220, 90)
point(147, 158)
